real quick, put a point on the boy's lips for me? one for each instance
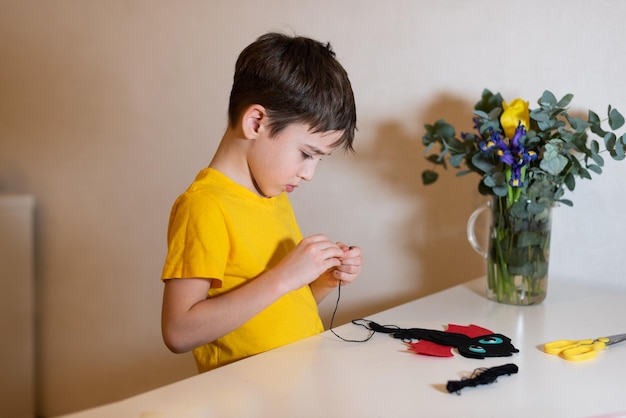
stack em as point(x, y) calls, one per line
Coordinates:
point(290, 188)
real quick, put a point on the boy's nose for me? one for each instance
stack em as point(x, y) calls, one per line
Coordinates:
point(307, 172)
point(304, 176)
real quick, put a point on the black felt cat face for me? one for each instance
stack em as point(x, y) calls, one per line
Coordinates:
point(492, 345)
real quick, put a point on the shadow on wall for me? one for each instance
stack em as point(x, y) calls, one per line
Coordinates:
point(435, 232)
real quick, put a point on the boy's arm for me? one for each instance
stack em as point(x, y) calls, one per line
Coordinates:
point(190, 319)
point(349, 269)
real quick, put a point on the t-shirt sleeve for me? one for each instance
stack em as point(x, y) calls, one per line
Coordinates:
point(198, 242)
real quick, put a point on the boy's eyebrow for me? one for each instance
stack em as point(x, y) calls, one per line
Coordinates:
point(316, 151)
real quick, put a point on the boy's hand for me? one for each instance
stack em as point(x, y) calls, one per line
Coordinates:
point(350, 266)
point(347, 269)
point(312, 257)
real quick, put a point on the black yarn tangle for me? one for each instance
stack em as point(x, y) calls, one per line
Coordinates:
point(481, 376)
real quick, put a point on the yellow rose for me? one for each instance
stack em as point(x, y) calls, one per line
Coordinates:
point(514, 112)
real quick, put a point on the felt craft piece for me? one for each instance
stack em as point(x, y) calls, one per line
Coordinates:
point(428, 348)
point(474, 346)
point(481, 376)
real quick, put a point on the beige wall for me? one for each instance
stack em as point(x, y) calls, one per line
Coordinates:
point(109, 108)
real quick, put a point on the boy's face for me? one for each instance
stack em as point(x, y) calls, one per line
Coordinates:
point(278, 164)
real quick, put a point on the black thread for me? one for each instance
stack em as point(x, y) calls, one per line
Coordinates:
point(332, 320)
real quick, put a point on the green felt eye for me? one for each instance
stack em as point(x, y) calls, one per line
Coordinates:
point(491, 340)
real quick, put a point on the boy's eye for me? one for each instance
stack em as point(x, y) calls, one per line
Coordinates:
point(306, 156)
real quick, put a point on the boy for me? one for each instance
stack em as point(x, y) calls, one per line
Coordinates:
point(239, 278)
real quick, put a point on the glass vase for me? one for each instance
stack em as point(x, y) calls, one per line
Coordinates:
point(518, 251)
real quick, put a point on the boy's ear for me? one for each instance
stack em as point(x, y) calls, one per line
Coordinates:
point(252, 121)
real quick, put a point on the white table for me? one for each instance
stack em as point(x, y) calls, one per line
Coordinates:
point(323, 376)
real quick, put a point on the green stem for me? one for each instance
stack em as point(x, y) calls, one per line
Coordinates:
point(523, 242)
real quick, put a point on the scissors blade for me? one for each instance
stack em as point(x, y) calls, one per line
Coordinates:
point(614, 339)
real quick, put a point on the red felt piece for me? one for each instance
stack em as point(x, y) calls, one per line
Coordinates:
point(428, 348)
point(471, 331)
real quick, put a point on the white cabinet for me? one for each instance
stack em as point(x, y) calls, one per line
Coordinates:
point(17, 306)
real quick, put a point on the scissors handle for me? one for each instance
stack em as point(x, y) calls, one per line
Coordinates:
point(583, 351)
point(557, 347)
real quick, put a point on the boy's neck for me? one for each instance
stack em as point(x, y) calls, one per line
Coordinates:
point(230, 160)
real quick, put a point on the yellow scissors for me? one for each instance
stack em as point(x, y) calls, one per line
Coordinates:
point(579, 350)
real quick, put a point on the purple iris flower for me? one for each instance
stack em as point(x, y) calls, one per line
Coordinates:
point(512, 154)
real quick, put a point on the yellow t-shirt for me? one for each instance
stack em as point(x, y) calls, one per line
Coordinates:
point(222, 231)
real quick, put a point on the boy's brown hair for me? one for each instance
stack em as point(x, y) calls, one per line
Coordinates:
point(297, 80)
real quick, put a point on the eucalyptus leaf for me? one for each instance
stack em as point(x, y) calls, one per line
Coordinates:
point(547, 99)
point(570, 181)
point(483, 163)
point(584, 174)
point(429, 176)
point(444, 130)
point(535, 208)
point(565, 101)
point(489, 101)
point(539, 115)
point(553, 162)
point(619, 149)
point(500, 190)
point(481, 114)
point(616, 120)
point(609, 141)
point(598, 160)
point(594, 148)
point(456, 160)
point(489, 181)
point(578, 124)
point(566, 202)
point(596, 169)
point(519, 210)
point(593, 117)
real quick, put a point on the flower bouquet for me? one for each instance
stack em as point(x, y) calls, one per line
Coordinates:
point(526, 159)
